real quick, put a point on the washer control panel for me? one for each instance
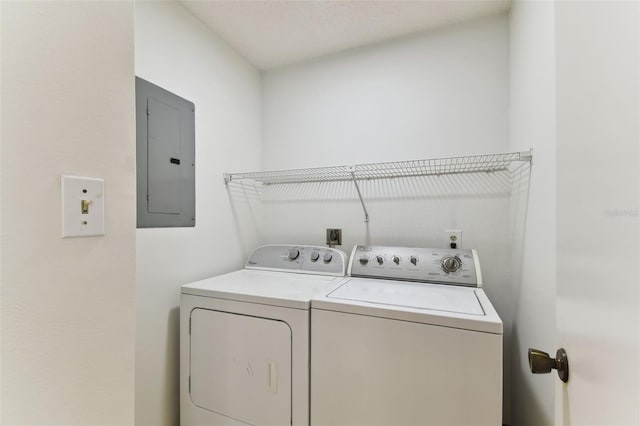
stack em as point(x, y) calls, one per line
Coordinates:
point(431, 265)
point(301, 259)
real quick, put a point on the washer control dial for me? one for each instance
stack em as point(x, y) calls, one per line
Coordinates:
point(364, 260)
point(294, 253)
point(396, 259)
point(315, 256)
point(451, 264)
point(327, 257)
point(413, 260)
point(380, 260)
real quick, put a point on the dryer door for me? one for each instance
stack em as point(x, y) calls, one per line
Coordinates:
point(241, 367)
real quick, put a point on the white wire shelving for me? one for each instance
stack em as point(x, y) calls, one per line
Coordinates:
point(387, 170)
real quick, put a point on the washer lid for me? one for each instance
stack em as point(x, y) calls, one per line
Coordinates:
point(411, 295)
point(442, 305)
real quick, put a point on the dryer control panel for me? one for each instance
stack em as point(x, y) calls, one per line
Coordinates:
point(431, 265)
point(301, 259)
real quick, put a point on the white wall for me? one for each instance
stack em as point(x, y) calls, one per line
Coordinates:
point(178, 53)
point(67, 304)
point(533, 223)
point(438, 93)
point(1, 233)
point(1, 238)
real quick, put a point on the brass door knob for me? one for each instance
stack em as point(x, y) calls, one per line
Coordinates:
point(541, 363)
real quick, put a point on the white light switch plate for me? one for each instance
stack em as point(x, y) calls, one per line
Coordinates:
point(75, 223)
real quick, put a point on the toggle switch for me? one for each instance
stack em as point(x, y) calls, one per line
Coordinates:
point(84, 206)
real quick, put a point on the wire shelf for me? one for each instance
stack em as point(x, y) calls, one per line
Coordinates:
point(394, 169)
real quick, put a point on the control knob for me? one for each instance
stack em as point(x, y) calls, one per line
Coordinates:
point(451, 264)
point(380, 260)
point(413, 260)
point(327, 257)
point(396, 260)
point(364, 260)
point(294, 253)
point(315, 256)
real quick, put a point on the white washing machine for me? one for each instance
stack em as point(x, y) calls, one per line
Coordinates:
point(244, 338)
point(409, 338)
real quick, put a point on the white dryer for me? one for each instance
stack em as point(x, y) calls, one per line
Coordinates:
point(410, 338)
point(244, 338)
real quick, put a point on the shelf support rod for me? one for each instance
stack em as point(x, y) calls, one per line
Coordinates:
point(355, 182)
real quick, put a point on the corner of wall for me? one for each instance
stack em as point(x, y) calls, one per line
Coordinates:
point(532, 222)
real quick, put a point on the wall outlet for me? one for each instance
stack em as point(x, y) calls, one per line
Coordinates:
point(334, 237)
point(454, 238)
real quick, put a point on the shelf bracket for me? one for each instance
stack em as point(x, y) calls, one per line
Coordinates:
point(355, 182)
point(526, 155)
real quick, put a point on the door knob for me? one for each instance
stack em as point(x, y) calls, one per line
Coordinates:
point(540, 363)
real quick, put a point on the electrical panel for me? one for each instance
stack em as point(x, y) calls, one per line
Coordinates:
point(165, 158)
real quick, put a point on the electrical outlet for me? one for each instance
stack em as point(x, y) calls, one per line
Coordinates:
point(454, 238)
point(334, 237)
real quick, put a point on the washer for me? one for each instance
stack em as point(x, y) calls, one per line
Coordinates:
point(244, 338)
point(409, 338)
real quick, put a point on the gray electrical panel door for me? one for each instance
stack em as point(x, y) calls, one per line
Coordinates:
point(165, 127)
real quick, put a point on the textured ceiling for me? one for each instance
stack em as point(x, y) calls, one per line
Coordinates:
point(273, 33)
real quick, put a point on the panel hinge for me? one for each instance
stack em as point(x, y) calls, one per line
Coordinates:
point(148, 197)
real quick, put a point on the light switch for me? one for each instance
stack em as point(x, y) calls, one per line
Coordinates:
point(82, 206)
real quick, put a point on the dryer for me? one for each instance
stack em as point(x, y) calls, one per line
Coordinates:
point(409, 338)
point(244, 338)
